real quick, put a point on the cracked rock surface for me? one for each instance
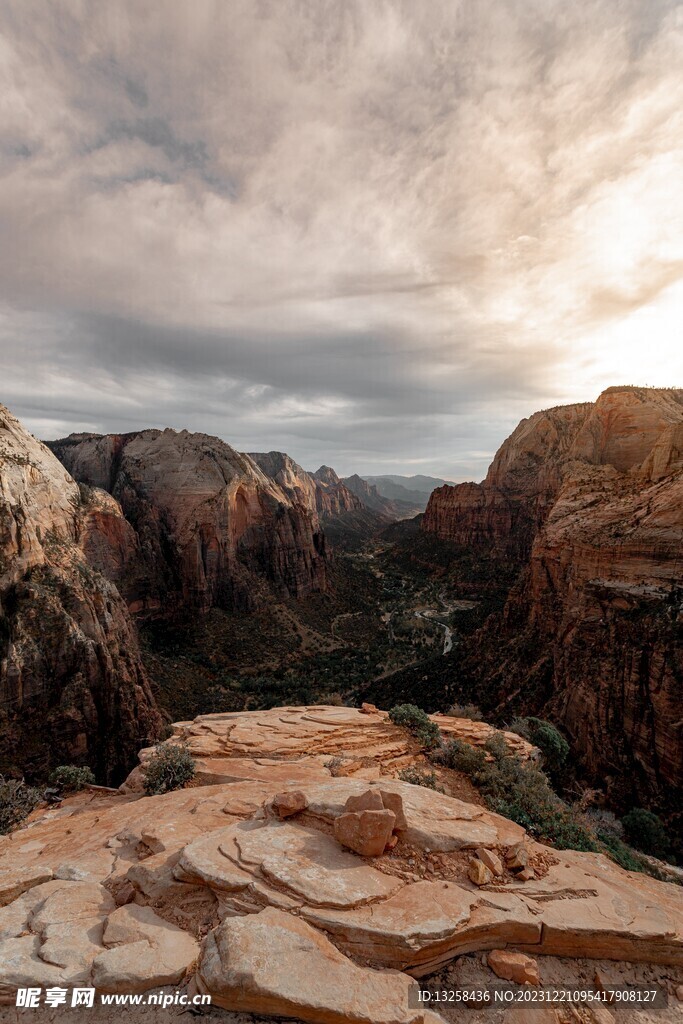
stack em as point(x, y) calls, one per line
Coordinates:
point(208, 885)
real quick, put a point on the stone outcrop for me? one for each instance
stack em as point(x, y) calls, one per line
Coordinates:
point(587, 501)
point(321, 492)
point(212, 528)
point(288, 922)
point(72, 686)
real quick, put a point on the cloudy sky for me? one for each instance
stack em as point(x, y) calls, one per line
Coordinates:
point(373, 234)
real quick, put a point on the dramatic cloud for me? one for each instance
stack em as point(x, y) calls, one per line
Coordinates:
point(373, 233)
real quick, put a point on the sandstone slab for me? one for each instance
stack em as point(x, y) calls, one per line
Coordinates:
point(145, 952)
point(275, 964)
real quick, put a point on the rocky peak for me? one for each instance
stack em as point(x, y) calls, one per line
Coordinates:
point(326, 475)
point(213, 526)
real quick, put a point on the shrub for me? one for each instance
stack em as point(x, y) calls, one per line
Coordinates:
point(470, 711)
point(518, 791)
point(417, 722)
point(496, 746)
point(460, 756)
point(418, 778)
point(547, 738)
point(646, 832)
point(70, 778)
point(170, 767)
point(17, 800)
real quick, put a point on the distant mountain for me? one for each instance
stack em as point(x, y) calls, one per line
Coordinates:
point(392, 508)
point(412, 490)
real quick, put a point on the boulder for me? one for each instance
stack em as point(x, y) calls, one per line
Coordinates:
point(491, 859)
point(517, 857)
point(287, 804)
point(365, 832)
point(478, 872)
point(513, 966)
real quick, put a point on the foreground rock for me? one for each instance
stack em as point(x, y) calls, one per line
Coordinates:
point(277, 964)
point(274, 916)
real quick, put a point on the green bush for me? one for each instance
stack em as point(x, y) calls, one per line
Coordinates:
point(646, 832)
point(547, 738)
point(170, 767)
point(417, 722)
point(418, 778)
point(17, 800)
point(519, 791)
point(70, 778)
point(460, 756)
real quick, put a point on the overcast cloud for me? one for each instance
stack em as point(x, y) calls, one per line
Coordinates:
point(373, 234)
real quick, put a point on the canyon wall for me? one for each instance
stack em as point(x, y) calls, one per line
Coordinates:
point(212, 528)
point(588, 500)
point(72, 686)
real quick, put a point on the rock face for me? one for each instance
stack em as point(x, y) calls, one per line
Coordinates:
point(212, 528)
point(72, 686)
point(291, 923)
point(587, 501)
point(321, 492)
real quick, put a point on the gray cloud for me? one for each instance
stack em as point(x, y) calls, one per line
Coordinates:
point(371, 234)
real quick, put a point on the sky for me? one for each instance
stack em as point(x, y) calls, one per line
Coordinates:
point(371, 233)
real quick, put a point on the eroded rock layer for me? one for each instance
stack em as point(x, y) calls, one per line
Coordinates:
point(588, 501)
point(72, 686)
point(193, 884)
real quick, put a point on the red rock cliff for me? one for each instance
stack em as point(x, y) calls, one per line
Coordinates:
point(589, 500)
point(212, 527)
point(72, 686)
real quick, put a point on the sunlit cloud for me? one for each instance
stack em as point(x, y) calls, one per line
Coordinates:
point(371, 234)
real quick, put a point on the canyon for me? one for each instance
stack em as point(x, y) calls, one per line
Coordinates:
point(586, 502)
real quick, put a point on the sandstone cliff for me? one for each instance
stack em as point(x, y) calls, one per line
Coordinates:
point(72, 687)
point(588, 501)
point(212, 527)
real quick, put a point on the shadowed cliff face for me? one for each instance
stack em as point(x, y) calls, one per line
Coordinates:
point(211, 528)
point(588, 500)
point(72, 686)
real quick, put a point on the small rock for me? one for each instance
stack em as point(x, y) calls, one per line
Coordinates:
point(365, 832)
point(511, 966)
point(394, 802)
point(526, 874)
point(490, 859)
point(368, 709)
point(679, 993)
point(371, 800)
point(478, 872)
point(391, 842)
point(287, 804)
point(517, 857)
